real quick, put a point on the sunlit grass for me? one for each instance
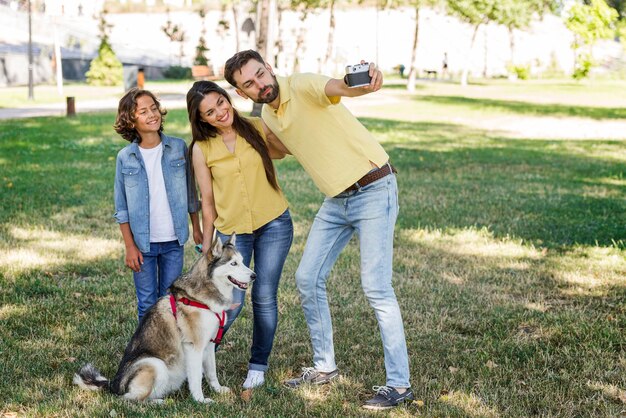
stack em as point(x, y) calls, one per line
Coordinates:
point(48, 249)
point(469, 405)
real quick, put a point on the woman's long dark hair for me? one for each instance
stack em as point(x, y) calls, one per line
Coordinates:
point(202, 131)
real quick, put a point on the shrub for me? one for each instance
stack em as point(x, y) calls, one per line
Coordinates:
point(583, 67)
point(105, 69)
point(201, 50)
point(521, 71)
point(176, 72)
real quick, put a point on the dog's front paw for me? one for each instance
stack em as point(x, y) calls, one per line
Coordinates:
point(205, 400)
point(221, 389)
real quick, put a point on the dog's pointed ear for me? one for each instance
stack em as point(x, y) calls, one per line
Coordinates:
point(216, 249)
point(232, 239)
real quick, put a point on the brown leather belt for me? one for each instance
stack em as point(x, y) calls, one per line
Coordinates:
point(372, 176)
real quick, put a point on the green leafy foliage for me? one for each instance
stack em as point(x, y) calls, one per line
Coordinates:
point(584, 63)
point(522, 72)
point(589, 23)
point(105, 69)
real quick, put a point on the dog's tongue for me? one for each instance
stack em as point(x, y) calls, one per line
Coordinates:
point(233, 306)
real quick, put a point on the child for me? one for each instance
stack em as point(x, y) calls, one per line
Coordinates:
point(153, 191)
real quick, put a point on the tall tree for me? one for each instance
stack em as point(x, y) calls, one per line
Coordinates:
point(476, 13)
point(106, 68)
point(263, 46)
point(518, 15)
point(281, 6)
point(417, 5)
point(589, 23)
point(304, 7)
point(234, 6)
point(176, 34)
point(331, 31)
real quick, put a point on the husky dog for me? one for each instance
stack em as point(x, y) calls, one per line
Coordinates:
point(176, 338)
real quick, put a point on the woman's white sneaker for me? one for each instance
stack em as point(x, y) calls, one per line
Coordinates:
point(255, 378)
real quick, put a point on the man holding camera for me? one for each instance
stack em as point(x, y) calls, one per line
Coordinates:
point(352, 169)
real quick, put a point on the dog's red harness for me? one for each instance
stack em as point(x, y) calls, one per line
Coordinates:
point(222, 318)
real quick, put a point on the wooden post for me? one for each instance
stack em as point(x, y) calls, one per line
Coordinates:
point(71, 106)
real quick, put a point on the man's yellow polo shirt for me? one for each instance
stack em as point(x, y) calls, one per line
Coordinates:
point(334, 148)
point(244, 199)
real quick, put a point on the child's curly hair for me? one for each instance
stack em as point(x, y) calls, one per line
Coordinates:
point(124, 122)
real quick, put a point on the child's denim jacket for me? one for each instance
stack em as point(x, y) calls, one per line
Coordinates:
point(132, 197)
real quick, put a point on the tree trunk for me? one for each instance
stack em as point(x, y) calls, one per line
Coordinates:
point(262, 47)
point(331, 33)
point(279, 39)
point(236, 22)
point(512, 43)
point(410, 85)
point(300, 48)
point(469, 55)
point(263, 13)
point(485, 54)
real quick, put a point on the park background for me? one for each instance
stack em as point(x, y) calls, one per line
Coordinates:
point(487, 39)
point(510, 260)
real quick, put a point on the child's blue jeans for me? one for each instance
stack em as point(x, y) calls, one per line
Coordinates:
point(161, 266)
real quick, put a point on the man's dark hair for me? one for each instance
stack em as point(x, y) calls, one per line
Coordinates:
point(237, 61)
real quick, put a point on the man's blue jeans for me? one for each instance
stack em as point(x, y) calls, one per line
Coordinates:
point(161, 266)
point(371, 212)
point(269, 245)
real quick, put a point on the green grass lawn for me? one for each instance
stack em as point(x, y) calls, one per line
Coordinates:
point(510, 268)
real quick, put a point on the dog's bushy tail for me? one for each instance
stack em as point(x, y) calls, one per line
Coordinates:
point(88, 377)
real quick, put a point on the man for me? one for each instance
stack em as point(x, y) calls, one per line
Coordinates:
point(351, 168)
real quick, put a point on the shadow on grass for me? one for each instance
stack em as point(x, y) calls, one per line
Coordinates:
point(528, 108)
point(549, 193)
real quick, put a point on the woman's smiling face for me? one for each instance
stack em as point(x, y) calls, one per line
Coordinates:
point(217, 111)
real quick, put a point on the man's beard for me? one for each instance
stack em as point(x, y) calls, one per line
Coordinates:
point(273, 94)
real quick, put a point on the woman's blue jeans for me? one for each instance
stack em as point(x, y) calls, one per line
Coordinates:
point(269, 245)
point(161, 266)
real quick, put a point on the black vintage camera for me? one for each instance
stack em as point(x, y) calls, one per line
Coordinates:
point(358, 75)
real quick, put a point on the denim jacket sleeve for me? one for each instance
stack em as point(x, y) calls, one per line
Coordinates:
point(119, 194)
point(193, 204)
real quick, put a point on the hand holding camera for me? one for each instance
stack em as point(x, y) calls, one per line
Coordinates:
point(358, 75)
point(365, 75)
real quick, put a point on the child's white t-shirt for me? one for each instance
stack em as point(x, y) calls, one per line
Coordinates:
point(161, 223)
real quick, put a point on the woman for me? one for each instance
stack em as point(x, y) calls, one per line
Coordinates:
point(232, 162)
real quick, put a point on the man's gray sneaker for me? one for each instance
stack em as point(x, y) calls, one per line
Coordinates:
point(387, 397)
point(311, 376)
